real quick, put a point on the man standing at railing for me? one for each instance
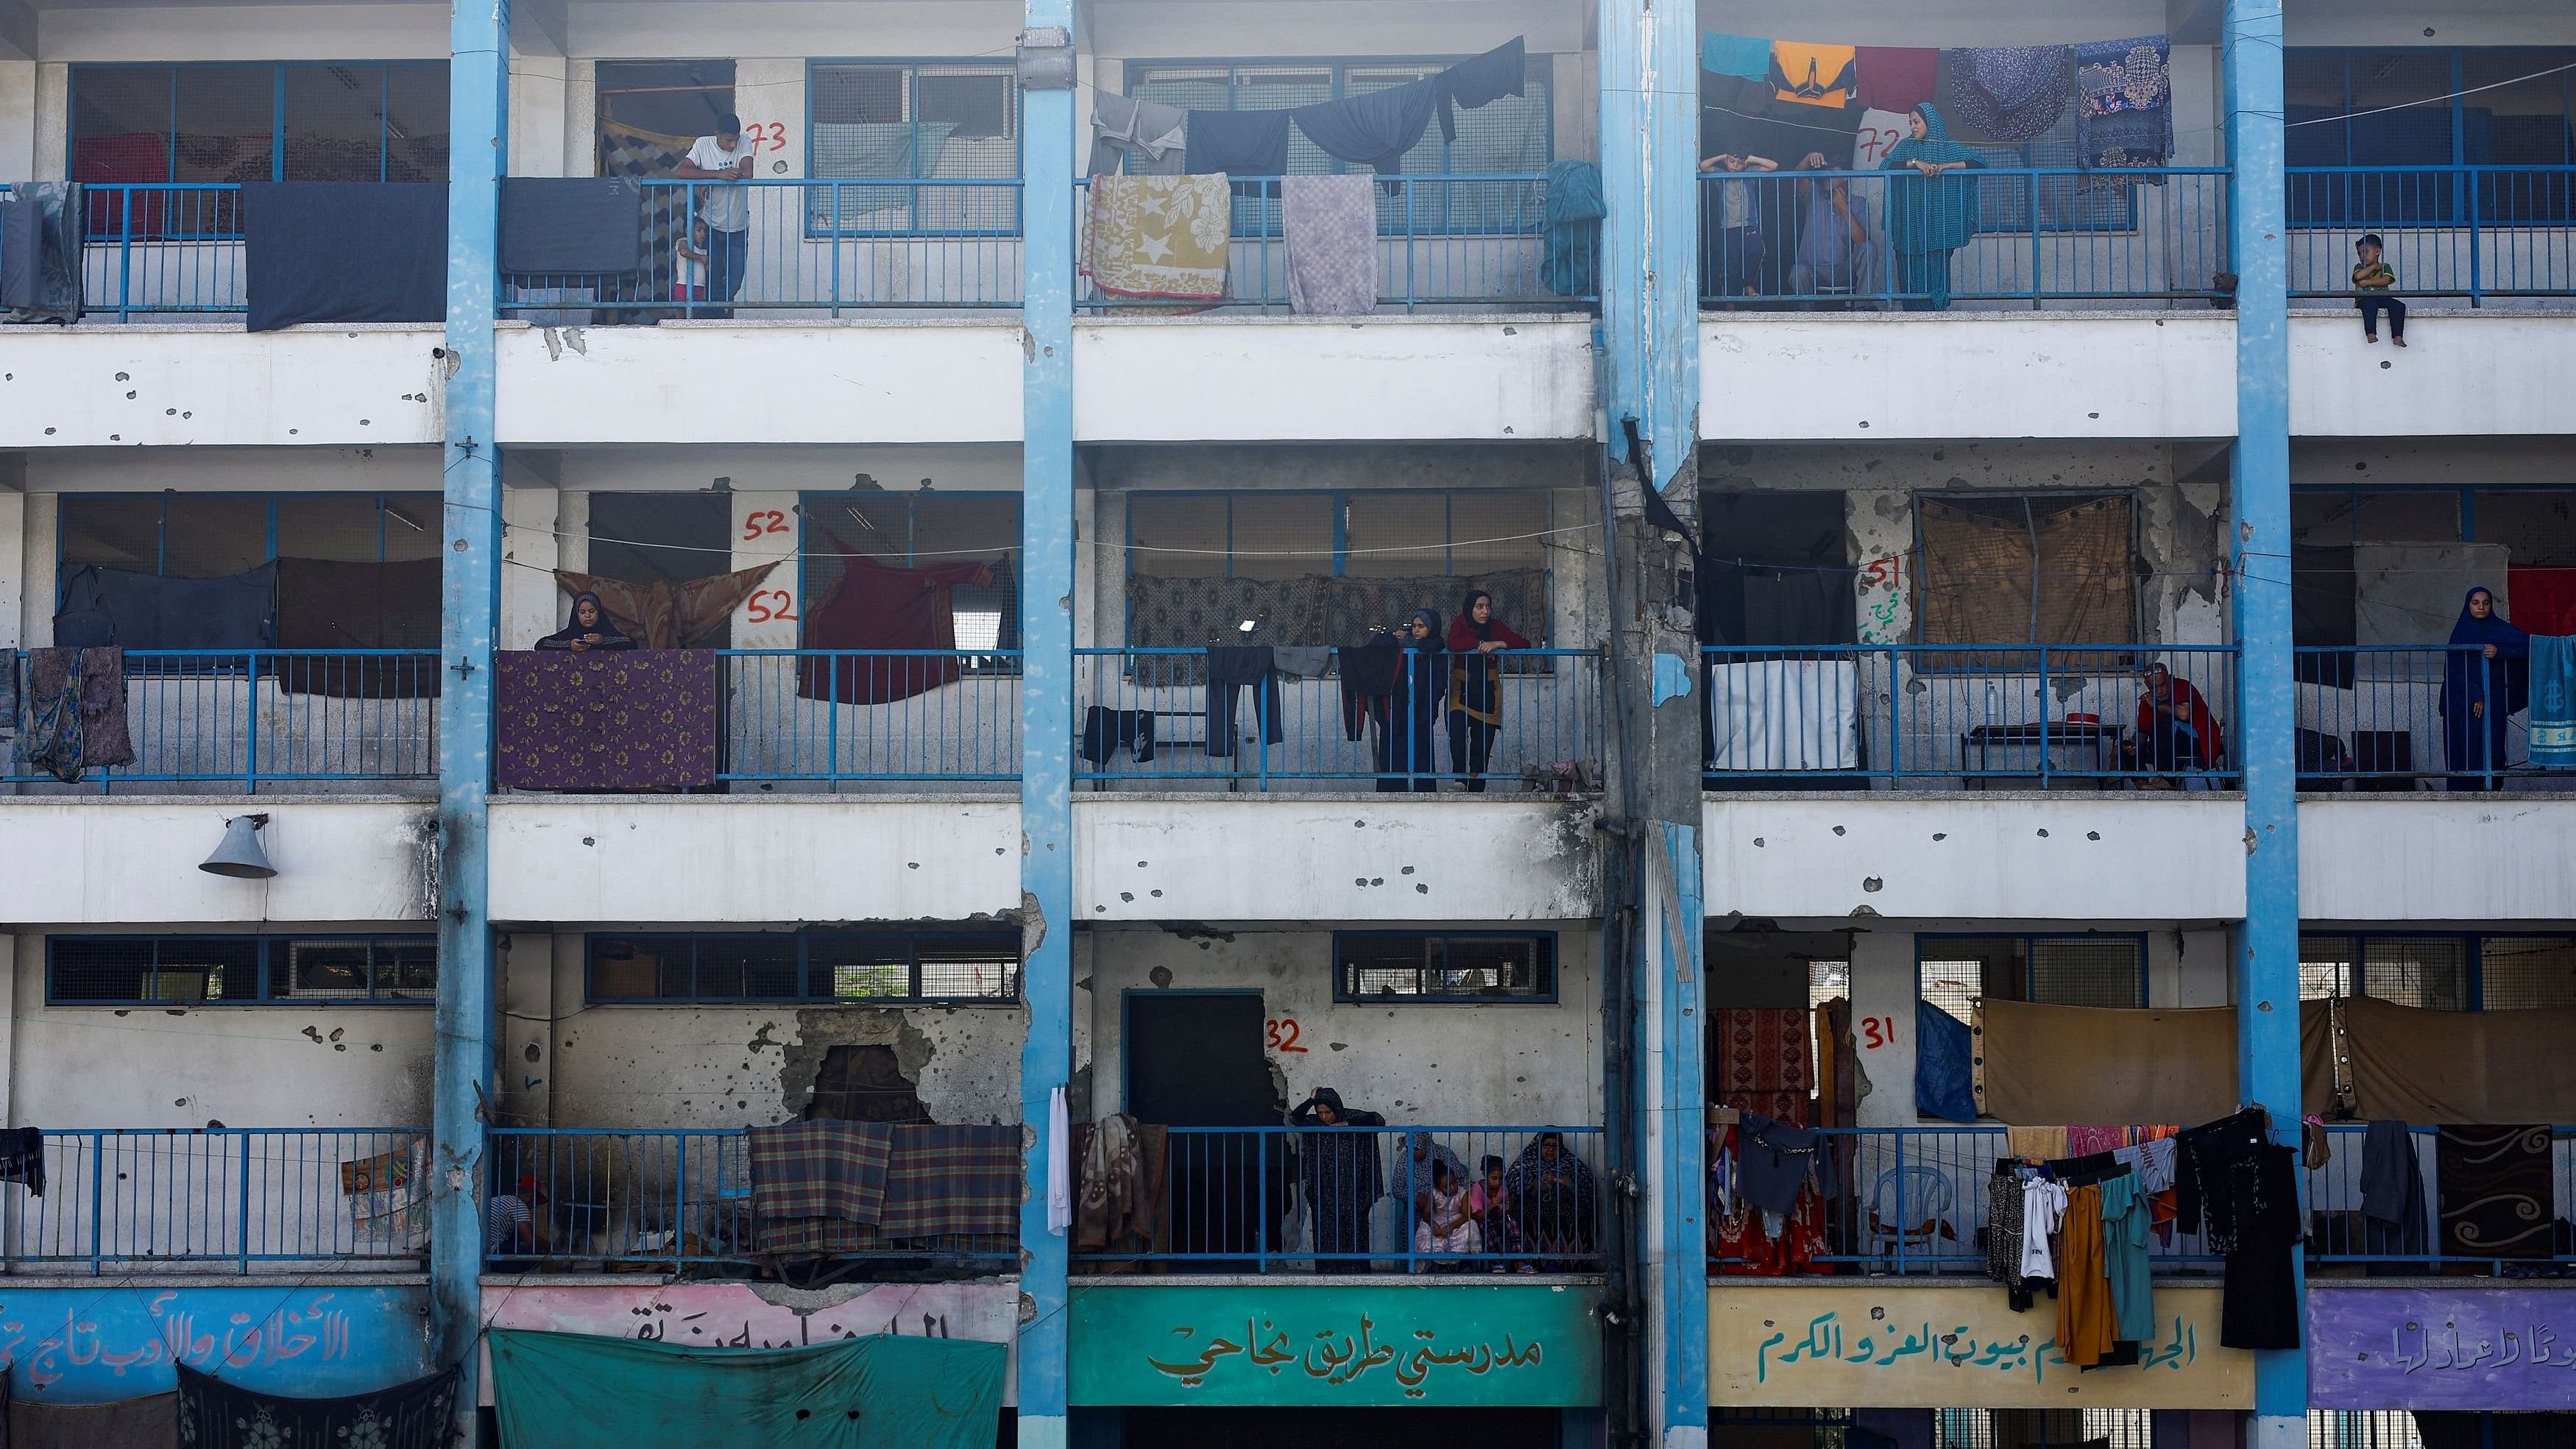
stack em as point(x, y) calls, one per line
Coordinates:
point(725, 210)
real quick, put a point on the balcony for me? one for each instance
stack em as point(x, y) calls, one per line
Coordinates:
point(2343, 1242)
point(252, 721)
point(2474, 234)
point(1941, 716)
point(2375, 717)
point(818, 718)
point(1224, 1200)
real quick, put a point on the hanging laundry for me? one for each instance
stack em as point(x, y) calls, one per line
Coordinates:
point(22, 1159)
point(879, 606)
point(1814, 75)
point(1374, 129)
point(961, 1181)
point(1107, 731)
point(40, 251)
point(75, 712)
point(1944, 1076)
point(1898, 78)
point(330, 251)
point(134, 610)
point(2551, 724)
point(571, 225)
point(1159, 237)
point(1151, 138)
point(2394, 1219)
point(1238, 143)
point(2087, 1321)
point(690, 614)
point(2495, 1189)
point(1328, 225)
point(216, 1415)
point(2229, 1173)
point(2006, 93)
point(1302, 661)
point(2544, 598)
point(1570, 238)
point(2124, 109)
point(1472, 84)
point(1736, 55)
point(1230, 670)
point(647, 719)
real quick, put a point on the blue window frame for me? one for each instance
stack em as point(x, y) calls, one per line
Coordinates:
point(1474, 967)
point(281, 121)
point(858, 968)
point(2439, 971)
point(917, 530)
point(877, 121)
point(2413, 109)
point(210, 535)
point(2097, 968)
point(216, 970)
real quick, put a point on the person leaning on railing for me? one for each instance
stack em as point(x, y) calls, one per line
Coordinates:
point(1475, 689)
point(590, 628)
point(726, 210)
point(1933, 213)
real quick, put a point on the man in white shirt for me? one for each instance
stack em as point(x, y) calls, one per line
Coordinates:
point(726, 210)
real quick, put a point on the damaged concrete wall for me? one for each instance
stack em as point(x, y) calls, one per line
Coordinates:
point(1463, 1065)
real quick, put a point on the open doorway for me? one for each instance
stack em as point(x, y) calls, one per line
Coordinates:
point(1195, 1060)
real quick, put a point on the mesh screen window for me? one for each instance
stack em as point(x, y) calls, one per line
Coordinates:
point(323, 121)
point(240, 970)
point(1955, 971)
point(206, 536)
point(876, 121)
point(1390, 966)
point(860, 967)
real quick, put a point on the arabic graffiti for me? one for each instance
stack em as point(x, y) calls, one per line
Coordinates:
point(1956, 1348)
point(2441, 1348)
point(84, 1346)
point(732, 1315)
point(1287, 1344)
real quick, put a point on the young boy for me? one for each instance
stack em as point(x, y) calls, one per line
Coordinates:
point(689, 265)
point(2374, 285)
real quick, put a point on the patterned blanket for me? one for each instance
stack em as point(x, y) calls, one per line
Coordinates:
point(834, 1170)
point(1159, 237)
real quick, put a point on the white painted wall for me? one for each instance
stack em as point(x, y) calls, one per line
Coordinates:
point(213, 385)
point(184, 33)
point(2436, 857)
point(2063, 856)
point(124, 861)
point(1854, 376)
point(2463, 374)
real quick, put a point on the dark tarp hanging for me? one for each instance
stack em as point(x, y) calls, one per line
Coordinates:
point(575, 1391)
point(40, 252)
point(332, 251)
point(150, 1422)
point(571, 225)
point(1944, 1073)
point(324, 604)
point(216, 1415)
point(133, 610)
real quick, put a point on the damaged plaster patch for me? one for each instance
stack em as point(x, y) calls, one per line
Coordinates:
point(821, 1029)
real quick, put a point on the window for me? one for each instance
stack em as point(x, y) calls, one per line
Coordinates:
point(1405, 966)
point(2536, 526)
point(210, 535)
point(2092, 970)
point(240, 970)
point(2441, 972)
point(877, 121)
point(2025, 569)
point(918, 531)
point(860, 968)
point(300, 121)
point(2100, 201)
point(646, 538)
point(2416, 109)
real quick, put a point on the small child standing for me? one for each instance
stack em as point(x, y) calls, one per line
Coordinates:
point(2374, 285)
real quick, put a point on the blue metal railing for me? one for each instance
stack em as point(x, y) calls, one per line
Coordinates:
point(2382, 713)
point(254, 717)
point(1447, 241)
point(1146, 716)
point(2340, 1233)
point(1266, 1199)
point(2039, 714)
point(623, 1198)
point(827, 715)
point(2043, 234)
point(129, 1198)
point(802, 246)
point(2450, 231)
point(161, 249)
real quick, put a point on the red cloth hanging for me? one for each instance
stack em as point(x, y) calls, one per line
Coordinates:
point(879, 606)
point(1898, 78)
point(2543, 598)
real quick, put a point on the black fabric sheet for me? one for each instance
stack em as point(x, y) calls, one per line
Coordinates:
point(571, 225)
point(40, 252)
point(327, 604)
point(22, 1159)
point(150, 1422)
point(1107, 731)
point(1470, 84)
point(102, 605)
point(332, 251)
point(22, 252)
point(1240, 143)
point(1373, 130)
point(216, 1415)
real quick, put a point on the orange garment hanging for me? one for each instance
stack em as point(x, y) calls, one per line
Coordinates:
point(2088, 1323)
point(1814, 75)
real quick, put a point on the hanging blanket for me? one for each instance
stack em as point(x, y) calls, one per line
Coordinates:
point(2008, 93)
point(819, 1169)
point(1161, 237)
point(40, 252)
point(2552, 728)
point(151, 1422)
point(640, 720)
point(1760, 1049)
point(691, 614)
point(627, 151)
point(1898, 78)
point(2124, 111)
point(1120, 1167)
point(1570, 247)
point(75, 712)
point(216, 1415)
point(2104, 1064)
point(2495, 1189)
point(961, 1181)
point(134, 610)
point(332, 251)
point(329, 604)
point(2413, 1065)
point(1329, 224)
point(1944, 1077)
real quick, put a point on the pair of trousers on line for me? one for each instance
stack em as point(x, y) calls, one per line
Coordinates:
point(1229, 669)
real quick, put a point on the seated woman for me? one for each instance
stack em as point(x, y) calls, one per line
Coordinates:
point(1443, 1223)
point(591, 628)
point(2177, 730)
point(1552, 1194)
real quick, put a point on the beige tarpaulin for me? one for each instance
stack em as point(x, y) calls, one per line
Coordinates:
point(2474, 1067)
point(2089, 1064)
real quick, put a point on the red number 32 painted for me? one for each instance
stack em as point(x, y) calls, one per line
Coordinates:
point(1283, 1034)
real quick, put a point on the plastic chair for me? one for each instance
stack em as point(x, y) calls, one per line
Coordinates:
point(1910, 1206)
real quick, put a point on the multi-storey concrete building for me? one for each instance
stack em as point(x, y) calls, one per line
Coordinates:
point(1861, 604)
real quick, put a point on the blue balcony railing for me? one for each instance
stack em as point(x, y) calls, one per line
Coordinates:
point(161, 250)
point(2340, 1233)
point(260, 717)
point(1449, 241)
point(2043, 234)
point(803, 247)
point(2381, 717)
point(275, 1199)
point(2045, 716)
point(2477, 232)
point(1149, 715)
point(1361, 1200)
point(825, 716)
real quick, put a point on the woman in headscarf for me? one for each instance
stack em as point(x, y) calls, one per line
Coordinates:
point(1475, 692)
point(1552, 1197)
point(1932, 210)
point(2485, 678)
point(591, 628)
point(1406, 758)
point(1343, 1179)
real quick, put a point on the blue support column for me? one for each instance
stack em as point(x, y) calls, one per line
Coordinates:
point(2267, 982)
point(1046, 692)
point(1650, 382)
point(469, 607)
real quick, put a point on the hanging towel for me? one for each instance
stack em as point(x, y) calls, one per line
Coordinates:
point(571, 225)
point(1736, 55)
point(1239, 143)
point(1150, 137)
point(75, 712)
point(1814, 75)
point(2544, 598)
point(1329, 226)
point(40, 251)
point(2124, 102)
point(1161, 237)
point(330, 251)
point(1570, 241)
point(2552, 722)
point(1059, 1163)
point(1470, 84)
point(132, 610)
point(1898, 78)
point(2007, 93)
point(1373, 130)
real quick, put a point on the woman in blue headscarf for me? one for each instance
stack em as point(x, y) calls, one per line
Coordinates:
point(1931, 210)
point(2485, 679)
point(1405, 762)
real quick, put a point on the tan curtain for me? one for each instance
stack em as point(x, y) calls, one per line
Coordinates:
point(665, 615)
point(2039, 572)
point(2085, 1064)
point(2469, 1067)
